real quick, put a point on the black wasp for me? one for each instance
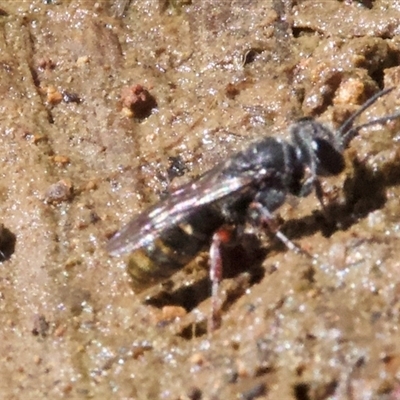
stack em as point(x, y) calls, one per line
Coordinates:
point(246, 188)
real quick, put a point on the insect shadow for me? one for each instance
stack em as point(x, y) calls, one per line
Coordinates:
point(364, 192)
point(246, 256)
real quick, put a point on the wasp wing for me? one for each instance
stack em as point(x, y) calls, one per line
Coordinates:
point(209, 188)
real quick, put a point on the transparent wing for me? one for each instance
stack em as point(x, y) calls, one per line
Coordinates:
point(209, 188)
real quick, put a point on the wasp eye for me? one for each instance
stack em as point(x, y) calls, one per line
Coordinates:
point(330, 160)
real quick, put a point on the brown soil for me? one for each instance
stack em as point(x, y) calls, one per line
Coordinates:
point(102, 105)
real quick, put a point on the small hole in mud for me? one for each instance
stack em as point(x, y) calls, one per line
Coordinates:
point(251, 55)
point(194, 330)
point(367, 3)
point(300, 32)
point(301, 392)
point(7, 243)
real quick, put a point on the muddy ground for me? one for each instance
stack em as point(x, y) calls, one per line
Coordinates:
point(105, 108)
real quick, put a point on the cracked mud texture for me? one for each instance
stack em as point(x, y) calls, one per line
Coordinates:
point(107, 106)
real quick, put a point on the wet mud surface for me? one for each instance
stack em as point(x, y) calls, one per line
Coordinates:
point(108, 106)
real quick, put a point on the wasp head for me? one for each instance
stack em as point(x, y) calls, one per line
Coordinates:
point(321, 150)
point(317, 147)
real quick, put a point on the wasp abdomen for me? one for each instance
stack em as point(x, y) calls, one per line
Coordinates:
point(173, 248)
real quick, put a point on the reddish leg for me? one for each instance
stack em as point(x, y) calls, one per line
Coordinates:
point(221, 237)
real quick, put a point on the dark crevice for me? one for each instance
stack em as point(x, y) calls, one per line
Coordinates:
point(197, 329)
point(35, 77)
point(251, 54)
point(7, 243)
point(367, 3)
point(301, 391)
point(302, 31)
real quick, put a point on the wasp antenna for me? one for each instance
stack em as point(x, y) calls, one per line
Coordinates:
point(376, 121)
point(347, 133)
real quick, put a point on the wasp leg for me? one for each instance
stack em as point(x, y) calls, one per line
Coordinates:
point(309, 185)
point(265, 217)
point(223, 236)
point(319, 192)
